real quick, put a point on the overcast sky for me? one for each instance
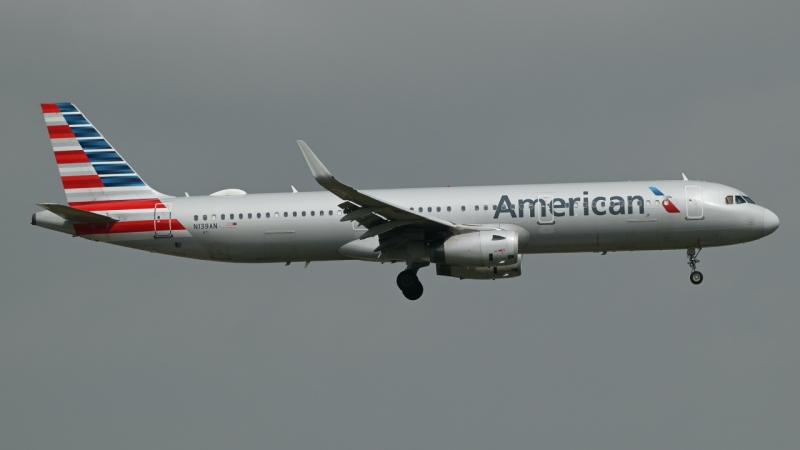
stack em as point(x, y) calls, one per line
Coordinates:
point(104, 347)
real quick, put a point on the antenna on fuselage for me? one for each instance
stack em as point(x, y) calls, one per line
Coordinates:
point(684, 177)
point(294, 191)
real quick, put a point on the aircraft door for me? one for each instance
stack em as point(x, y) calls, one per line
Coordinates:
point(544, 209)
point(694, 202)
point(162, 220)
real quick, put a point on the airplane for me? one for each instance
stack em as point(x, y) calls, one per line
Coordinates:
point(479, 233)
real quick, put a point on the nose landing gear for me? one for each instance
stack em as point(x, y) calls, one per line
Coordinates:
point(695, 277)
point(408, 282)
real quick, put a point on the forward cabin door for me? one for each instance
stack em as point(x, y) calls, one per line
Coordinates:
point(162, 219)
point(694, 202)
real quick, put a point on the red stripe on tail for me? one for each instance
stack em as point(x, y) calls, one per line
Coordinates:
point(60, 132)
point(134, 226)
point(49, 108)
point(111, 205)
point(71, 157)
point(81, 182)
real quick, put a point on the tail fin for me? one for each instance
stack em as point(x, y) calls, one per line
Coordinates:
point(94, 175)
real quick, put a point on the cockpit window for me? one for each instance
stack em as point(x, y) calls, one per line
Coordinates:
point(740, 200)
point(749, 200)
point(729, 200)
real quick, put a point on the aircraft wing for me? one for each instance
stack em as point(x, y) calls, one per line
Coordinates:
point(378, 216)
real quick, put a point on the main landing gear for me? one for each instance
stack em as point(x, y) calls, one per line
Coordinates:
point(695, 277)
point(408, 282)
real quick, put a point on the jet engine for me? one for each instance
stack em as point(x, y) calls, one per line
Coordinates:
point(478, 249)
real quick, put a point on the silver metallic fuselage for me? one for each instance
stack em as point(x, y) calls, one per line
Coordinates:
point(291, 233)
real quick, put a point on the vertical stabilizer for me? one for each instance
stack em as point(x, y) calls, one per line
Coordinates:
point(94, 175)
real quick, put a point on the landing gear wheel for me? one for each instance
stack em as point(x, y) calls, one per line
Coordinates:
point(406, 280)
point(414, 292)
point(695, 277)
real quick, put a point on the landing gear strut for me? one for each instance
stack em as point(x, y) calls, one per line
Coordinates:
point(695, 277)
point(408, 282)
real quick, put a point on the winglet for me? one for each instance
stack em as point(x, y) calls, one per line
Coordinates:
point(320, 172)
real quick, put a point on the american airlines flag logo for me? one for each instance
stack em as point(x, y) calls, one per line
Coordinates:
point(230, 225)
point(666, 201)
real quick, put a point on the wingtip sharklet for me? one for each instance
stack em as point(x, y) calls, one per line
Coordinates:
point(318, 169)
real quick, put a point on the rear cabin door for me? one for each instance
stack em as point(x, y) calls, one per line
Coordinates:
point(694, 202)
point(162, 219)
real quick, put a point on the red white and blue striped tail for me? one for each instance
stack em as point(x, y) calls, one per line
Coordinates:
point(94, 175)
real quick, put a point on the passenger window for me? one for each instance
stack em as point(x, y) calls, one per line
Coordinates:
point(647, 203)
point(222, 217)
point(213, 217)
point(729, 200)
point(656, 202)
point(485, 207)
point(249, 215)
point(285, 214)
point(266, 215)
point(322, 213)
point(463, 208)
point(739, 200)
point(448, 209)
point(339, 212)
point(258, 215)
point(303, 213)
point(420, 209)
point(195, 218)
point(477, 208)
point(294, 214)
point(205, 217)
point(241, 216)
point(330, 213)
point(312, 213)
point(429, 209)
point(494, 208)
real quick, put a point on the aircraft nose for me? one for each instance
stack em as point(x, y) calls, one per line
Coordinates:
point(771, 222)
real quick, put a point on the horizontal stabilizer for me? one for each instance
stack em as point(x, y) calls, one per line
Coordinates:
point(76, 215)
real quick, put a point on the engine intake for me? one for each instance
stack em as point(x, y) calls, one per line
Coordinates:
point(479, 249)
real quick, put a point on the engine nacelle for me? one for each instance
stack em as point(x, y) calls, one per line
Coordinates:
point(479, 249)
point(481, 273)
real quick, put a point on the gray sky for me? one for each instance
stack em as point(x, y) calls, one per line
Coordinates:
point(103, 347)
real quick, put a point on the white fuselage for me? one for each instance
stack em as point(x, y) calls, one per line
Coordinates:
point(578, 217)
